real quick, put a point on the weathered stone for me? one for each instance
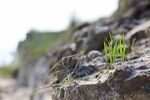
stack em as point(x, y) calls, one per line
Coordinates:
point(91, 38)
point(127, 82)
point(139, 32)
point(93, 54)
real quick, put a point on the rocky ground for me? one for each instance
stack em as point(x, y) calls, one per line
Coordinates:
point(96, 80)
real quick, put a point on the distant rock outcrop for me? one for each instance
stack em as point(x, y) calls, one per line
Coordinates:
point(32, 57)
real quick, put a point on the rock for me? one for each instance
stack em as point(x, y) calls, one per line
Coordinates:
point(75, 65)
point(62, 51)
point(33, 76)
point(40, 72)
point(91, 38)
point(84, 71)
point(25, 73)
point(128, 81)
point(96, 38)
point(81, 26)
point(93, 54)
point(122, 73)
point(140, 32)
point(124, 25)
point(139, 8)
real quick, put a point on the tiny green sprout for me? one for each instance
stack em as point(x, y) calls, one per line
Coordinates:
point(115, 52)
point(68, 80)
point(115, 48)
point(106, 50)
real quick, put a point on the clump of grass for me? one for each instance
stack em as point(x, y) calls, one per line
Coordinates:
point(68, 80)
point(110, 49)
point(114, 49)
point(122, 48)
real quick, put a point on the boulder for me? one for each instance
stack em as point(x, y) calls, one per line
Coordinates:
point(127, 81)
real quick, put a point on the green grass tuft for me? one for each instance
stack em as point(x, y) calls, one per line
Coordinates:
point(68, 80)
point(114, 49)
point(122, 48)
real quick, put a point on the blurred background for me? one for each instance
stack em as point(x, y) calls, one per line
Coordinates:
point(19, 17)
point(30, 30)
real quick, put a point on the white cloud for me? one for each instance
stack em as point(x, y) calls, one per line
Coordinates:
point(19, 16)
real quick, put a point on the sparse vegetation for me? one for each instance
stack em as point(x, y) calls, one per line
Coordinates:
point(38, 43)
point(114, 49)
point(122, 48)
point(68, 80)
point(7, 71)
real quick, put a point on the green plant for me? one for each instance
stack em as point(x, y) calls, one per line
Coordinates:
point(122, 47)
point(115, 48)
point(88, 78)
point(68, 80)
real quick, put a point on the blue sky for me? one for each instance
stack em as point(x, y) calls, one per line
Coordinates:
point(17, 17)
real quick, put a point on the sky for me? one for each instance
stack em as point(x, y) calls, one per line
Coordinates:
point(17, 17)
